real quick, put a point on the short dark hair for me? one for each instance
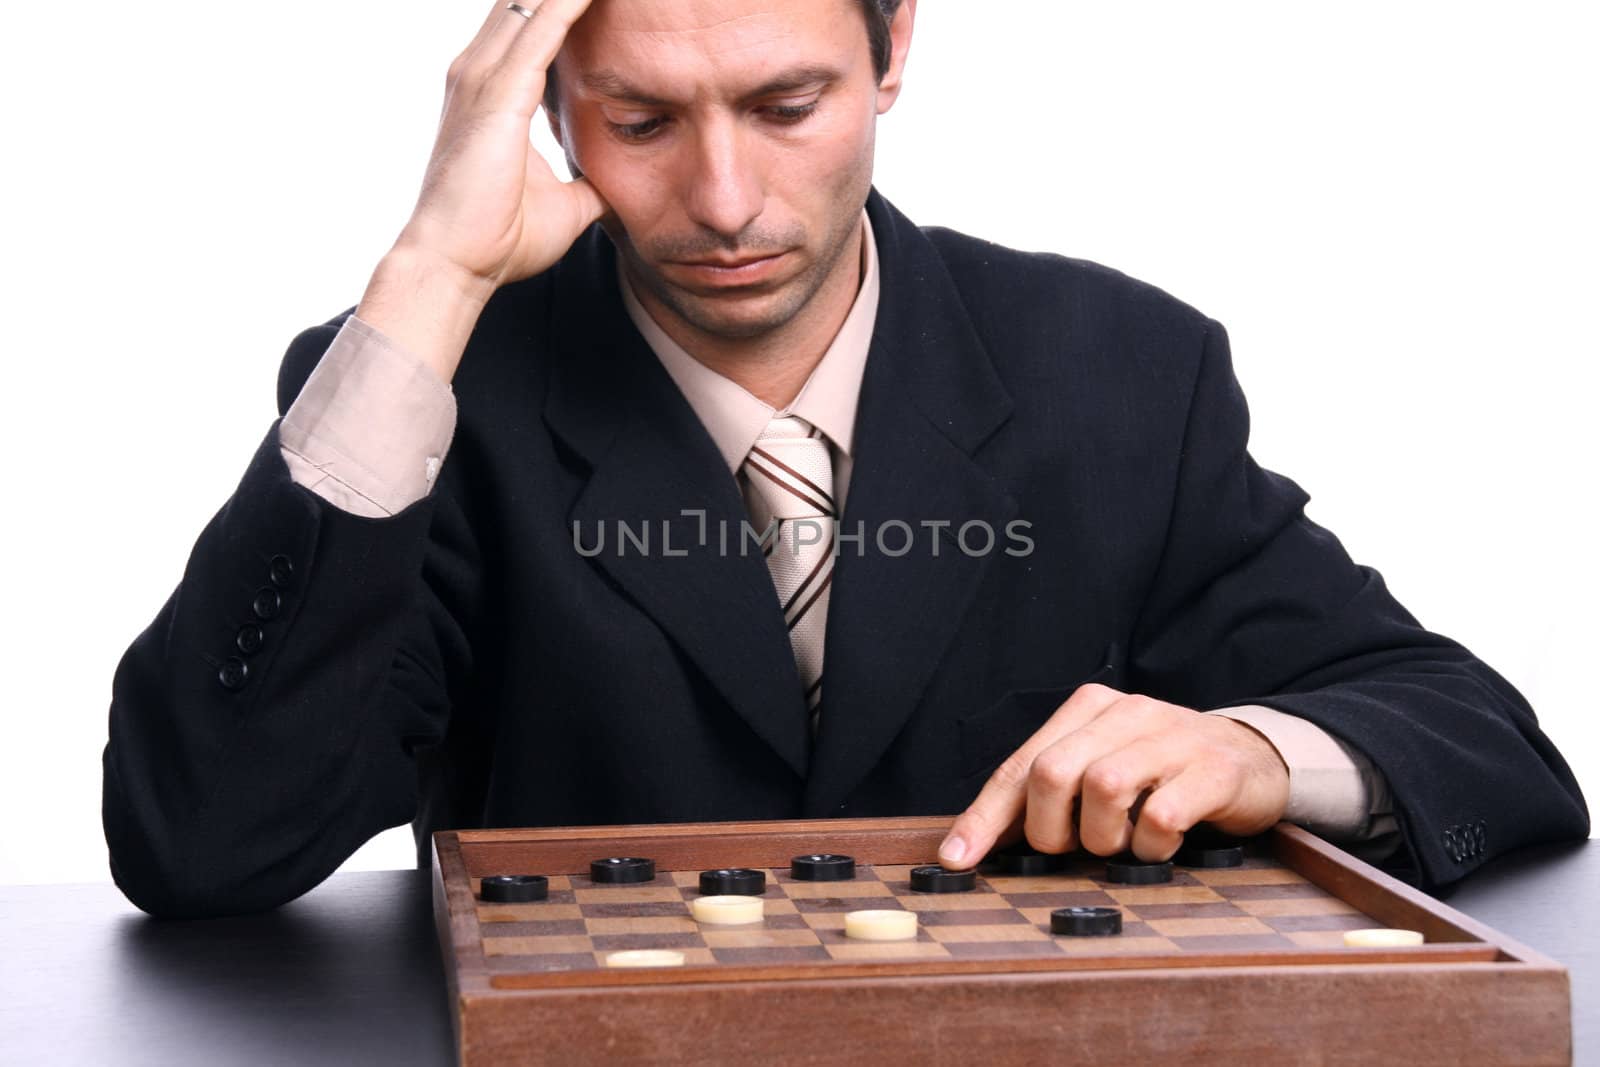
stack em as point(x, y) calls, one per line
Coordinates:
point(878, 14)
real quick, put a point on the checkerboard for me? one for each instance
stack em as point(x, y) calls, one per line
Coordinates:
point(1216, 963)
point(1260, 906)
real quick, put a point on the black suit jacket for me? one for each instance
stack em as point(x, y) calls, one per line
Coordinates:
point(463, 664)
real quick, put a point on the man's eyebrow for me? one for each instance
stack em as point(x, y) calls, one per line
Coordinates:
point(607, 82)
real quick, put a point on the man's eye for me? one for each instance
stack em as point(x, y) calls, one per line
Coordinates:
point(636, 131)
point(786, 114)
point(792, 112)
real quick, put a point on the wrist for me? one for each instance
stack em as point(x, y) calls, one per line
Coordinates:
point(426, 305)
point(1264, 764)
point(1266, 752)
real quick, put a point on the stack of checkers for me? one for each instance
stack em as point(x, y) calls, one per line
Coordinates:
point(1019, 905)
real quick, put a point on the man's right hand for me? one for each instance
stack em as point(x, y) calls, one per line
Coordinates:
point(491, 210)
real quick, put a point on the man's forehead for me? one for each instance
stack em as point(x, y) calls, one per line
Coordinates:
point(705, 17)
point(664, 49)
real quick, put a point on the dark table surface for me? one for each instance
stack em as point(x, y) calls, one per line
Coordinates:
point(350, 973)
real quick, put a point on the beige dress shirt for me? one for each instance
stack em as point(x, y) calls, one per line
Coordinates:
point(371, 427)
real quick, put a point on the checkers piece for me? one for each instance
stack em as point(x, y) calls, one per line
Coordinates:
point(514, 888)
point(1086, 922)
point(822, 868)
point(733, 881)
point(1381, 938)
point(727, 910)
point(1200, 849)
point(935, 879)
point(646, 957)
point(1128, 869)
point(622, 870)
point(1027, 861)
point(881, 925)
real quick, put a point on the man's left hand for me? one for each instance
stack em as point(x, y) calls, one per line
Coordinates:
point(1103, 751)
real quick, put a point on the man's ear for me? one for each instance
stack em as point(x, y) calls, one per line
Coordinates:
point(556, 131)
point(900, 42)
point(553, 117)
point(566, 150)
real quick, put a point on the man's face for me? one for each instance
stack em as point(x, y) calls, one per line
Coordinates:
point(725, 130)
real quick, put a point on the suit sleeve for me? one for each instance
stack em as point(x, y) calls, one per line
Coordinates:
point(264, 725)
point(1253, 603)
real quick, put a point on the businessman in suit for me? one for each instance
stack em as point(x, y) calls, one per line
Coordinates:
point(705, 485)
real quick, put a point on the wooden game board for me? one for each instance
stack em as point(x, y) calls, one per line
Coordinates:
point(1216, 964)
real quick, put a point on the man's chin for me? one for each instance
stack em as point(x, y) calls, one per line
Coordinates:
point(731, 314)
point(733, 319)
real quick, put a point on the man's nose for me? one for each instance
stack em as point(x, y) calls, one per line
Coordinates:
point(725, 190)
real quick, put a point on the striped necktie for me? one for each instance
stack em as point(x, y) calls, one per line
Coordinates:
point(789, 483)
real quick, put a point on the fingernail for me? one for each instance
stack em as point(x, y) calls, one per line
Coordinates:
point(954, 850)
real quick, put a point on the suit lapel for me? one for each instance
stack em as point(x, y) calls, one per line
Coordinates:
point(929, 399)
point(650, 461)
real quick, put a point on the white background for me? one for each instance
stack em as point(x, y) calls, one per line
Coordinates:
point(1392, 207)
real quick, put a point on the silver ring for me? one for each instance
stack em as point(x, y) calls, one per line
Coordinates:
point(525, 12)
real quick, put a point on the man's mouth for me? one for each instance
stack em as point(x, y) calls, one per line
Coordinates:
point(743, 270)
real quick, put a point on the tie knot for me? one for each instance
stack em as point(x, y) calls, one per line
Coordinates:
point(785, 427)
point(790, 468)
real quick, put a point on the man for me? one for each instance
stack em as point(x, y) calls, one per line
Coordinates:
point(1012, 558)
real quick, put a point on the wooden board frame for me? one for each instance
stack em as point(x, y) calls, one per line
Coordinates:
point(1470, 995)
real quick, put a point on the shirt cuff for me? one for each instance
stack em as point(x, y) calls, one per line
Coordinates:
point(1334, 790)
point(371, 426)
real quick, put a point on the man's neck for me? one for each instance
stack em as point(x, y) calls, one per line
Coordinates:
point(775, 366)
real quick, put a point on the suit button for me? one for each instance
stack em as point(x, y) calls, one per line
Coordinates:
point(233, 673)
point(266, 603)
point(281, 571)
point(249, 639)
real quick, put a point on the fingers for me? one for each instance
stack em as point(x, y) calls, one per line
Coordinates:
point(1174, 809)
point(546, 32)
point(525, 63)
point(496, 17)
point(1112, 772)
point(1001, 802)
point(506, 63)
point(488, 44)
point(1116, 777)
point(1088, 788)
